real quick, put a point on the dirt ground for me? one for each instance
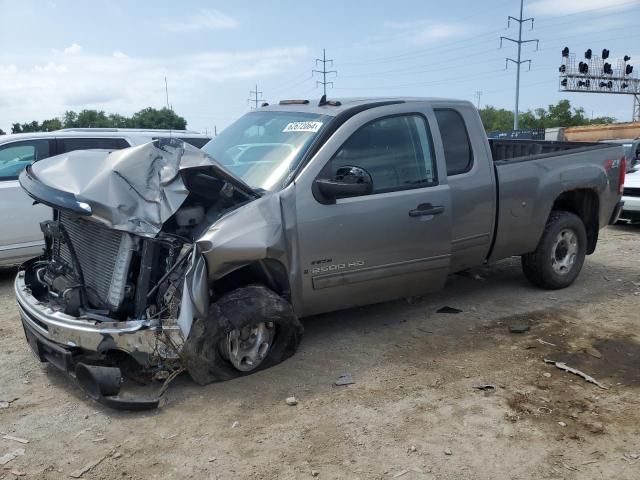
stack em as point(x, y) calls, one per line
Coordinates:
point(413, 412)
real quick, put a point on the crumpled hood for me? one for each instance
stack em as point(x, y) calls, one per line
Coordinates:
point(136, 189)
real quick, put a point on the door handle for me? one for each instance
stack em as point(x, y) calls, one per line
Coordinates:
point(426, 209)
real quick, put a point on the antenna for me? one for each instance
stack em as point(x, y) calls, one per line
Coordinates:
point(166, 92)
point(324, 72)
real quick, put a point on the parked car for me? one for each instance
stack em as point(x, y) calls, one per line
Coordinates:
point(631, 198)
point(166, 257)
point(631, 148)
point(21, 238)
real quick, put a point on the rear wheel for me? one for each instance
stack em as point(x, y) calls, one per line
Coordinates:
point(560, 254)
point(247, 330)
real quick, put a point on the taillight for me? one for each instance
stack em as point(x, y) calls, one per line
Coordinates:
point(623, 174)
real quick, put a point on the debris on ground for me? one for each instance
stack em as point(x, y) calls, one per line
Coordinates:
point(18, 473)
point(315, 473)
point(411, 449)
point(566, 368)
point(447, 451)
point(446, 309)
point(595, 353)
point(546, 343)
point(90, 466)
point(519, 327)
point(345, 379)
point(235, 424)
point(11, 456)
point(596, 427)
point(407, 470)
point(212, 459)
point(546, 375)
point(15, 439)
point(291, 401)
point(7, 403)
point(562, 424)
point(486, 388)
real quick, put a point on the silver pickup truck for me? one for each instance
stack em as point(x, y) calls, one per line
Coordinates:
point(162, 257)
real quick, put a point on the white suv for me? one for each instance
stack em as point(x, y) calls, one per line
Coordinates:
point(20, 235)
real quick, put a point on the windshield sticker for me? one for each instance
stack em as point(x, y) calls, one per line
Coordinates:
point(312, 127)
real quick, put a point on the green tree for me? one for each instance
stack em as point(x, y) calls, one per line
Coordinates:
point(50, 125)
point(154, 118)
point(2, 132)
point(559, 115)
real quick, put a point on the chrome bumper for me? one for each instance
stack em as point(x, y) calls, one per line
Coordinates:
point(145, 340)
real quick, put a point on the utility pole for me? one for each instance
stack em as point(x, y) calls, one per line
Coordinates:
point(324, 71)
point(519, 61)
point(256, 97)
point(478, 94)
point(636, 109)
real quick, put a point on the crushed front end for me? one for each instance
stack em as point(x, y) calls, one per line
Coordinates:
point(121, 279)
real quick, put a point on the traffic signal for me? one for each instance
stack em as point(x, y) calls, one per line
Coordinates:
point(624, 85)
point(563, 82)
point(608, 84)
point(562, 69)
point(565, 52)
point(585, 83)
point(605, 53)
point(607, 69)
point(587, 54)
point(628, 69)
point(627, 58)
point(583, 67)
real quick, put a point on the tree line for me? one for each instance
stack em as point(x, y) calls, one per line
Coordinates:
point(163, 118)
point(558, 115)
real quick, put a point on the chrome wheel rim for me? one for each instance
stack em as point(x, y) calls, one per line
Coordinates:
point(246, 348)
point(564, 252)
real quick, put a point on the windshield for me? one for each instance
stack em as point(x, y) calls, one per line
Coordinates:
point(262, 148)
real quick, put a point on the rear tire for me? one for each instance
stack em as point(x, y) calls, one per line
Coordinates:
point(210, 353)
point(560, 254)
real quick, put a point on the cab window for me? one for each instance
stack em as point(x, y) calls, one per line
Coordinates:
point(14, 157)
point(396, 151)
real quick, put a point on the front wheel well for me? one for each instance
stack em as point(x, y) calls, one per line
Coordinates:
point(268, 272)
point(584, 203)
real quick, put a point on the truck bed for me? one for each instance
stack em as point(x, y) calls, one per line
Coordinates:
point(523, 150)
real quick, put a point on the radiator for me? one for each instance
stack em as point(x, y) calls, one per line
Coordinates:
point(104, 256)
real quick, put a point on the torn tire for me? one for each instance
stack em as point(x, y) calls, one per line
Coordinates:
point(204, 355)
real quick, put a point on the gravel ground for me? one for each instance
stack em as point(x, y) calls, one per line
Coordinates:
point(413, 411)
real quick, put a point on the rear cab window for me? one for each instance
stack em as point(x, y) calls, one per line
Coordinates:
point(16, 156)
point(458, 153)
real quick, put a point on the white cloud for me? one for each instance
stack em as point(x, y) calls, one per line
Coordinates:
point(204, 20)
point(566, 7)
point(421, 32)
point(45, 87)
point(73, 49)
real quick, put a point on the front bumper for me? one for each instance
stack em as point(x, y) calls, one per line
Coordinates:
point(79, 347)
point(144, 340)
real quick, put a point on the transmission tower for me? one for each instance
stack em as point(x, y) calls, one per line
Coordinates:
point(478, 95)
point(519, 61)
point(324, 71)
point(255, 97)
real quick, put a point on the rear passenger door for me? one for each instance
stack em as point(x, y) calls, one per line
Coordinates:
point(390, 243)
point(20, 235)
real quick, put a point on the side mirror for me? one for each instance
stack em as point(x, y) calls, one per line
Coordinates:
point(348, 182)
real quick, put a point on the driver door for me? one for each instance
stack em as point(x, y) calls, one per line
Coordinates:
point(390, 242)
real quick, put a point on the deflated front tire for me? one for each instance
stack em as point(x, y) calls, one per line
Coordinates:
point(247, 330)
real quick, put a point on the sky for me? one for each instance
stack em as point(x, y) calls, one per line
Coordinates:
point(58, 55)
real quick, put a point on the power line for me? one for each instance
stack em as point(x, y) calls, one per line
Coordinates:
point(519, 61)
point(324, 71)
point(479, 94)
point(256, 97)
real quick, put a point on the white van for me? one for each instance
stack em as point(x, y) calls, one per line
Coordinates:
point(20, 235)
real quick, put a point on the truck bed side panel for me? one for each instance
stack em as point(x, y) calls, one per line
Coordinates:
point(529, 188)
